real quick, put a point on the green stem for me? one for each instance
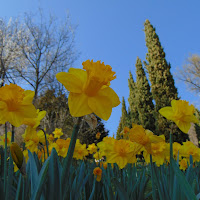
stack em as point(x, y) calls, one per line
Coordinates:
point(23, 190)
point(5, 159)
point(13, 134)
point(46, 143)
point(68, 159)
point(152, 179)
point(171, 168)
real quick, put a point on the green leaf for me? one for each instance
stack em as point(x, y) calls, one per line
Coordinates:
point(41, 180)
point(33, 172)
point(10, 179)
point(184, 185)
point(120, 190)
point(93, 190)
point(2, 194)
point(54, 175)
point(18, 187)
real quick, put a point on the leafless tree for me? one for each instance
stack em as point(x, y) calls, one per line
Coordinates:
point(190, 73)
point(9, 49)
point(47, 47)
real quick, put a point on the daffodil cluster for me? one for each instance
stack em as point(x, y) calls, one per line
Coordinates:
point(90, 92)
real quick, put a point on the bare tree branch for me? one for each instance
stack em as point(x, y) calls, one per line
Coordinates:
point(190, 73)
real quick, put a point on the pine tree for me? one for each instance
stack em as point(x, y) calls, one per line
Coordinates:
point(123, 120)
point(133, 110)
point(162, 82)
point(144, 98)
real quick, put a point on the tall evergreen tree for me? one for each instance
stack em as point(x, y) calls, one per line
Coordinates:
point(123, 120)
point(162, 82)
point(133, 110)
point(144, 98)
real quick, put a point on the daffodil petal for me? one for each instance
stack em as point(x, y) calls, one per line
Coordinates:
point(41, 115)
point(28, 111)
point(110, 93)
point(122, 162)
point(3, 107)
point(101, 106)
point(190, 118)
point(71, 82)
point(28, 97)
point(183, 126)
point(79, 73)
point(15, 119)
point(78, 104)
point(167, 112)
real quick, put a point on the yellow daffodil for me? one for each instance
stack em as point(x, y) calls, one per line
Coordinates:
point(158, 153)
point(50, 138)
point(25, 153)
point(35, 122)
point(125, 133)
point(183, 164)
point(2, 139)
point(97, 156)
point(80, 151)
point(144, 137)
point(32, 138)
point(104, 164)
point(15, 167)
point(58, 132)
point(98, 135)
point(98, 173)
point(187, 149)
point(181, 113)
point(150, 143)
point(106, 145)
point(122, 152)
point(92, 148)
point(137, 134)
point(62, 146)
point(176, 150)
point(89, 89)
point(16, 105)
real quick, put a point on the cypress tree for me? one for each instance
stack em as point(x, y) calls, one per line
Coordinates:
point(144, 98)
point(162, 82)
point(123, 120)
point(133, 110)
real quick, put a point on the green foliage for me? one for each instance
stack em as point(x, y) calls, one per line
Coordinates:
point(144, 98)
point(162, 83)
point(124, 121)
point(57, 112)
point(134, 182)
point(133, 110)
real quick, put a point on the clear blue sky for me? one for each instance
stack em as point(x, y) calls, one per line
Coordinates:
point(112, 31)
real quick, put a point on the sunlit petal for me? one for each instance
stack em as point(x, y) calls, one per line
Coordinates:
point(110, 93)
point(71, 82)
point(101, 106)
point(78, 105)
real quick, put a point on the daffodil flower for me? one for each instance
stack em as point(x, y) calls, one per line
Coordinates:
point(181, 113)
point(89, 89)
point(16, 105)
